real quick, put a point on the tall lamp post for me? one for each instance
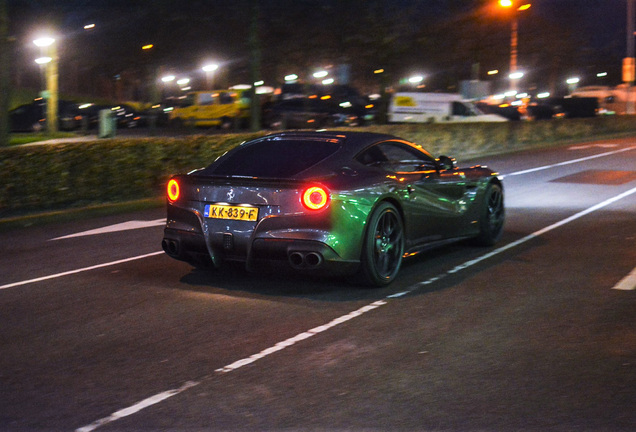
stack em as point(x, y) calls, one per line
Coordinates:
point(514, 34)
point(49, 48)
point(629, 62)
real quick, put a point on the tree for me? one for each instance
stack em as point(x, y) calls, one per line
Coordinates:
point(4, 74)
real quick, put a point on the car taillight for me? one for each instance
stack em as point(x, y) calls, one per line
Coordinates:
point(315, 198)
point(173, 190)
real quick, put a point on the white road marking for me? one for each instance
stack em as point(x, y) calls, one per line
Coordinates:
point(299, 337)
point(573, 161)
point(587, 146)
point(124, 226)
point(85, 269)
point(628, 283)
point(334, 323)
point(137, 407)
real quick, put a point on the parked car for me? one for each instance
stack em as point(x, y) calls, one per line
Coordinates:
point(125, 116)
point(314, 113)
point(32, 117)
point(345, 202)
point(216, 108)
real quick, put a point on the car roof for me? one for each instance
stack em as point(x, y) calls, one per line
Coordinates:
point(340, 148)
point(352, 141)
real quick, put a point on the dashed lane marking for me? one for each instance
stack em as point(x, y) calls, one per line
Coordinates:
point(573, 161)
point(124, 226)
point(628, 283)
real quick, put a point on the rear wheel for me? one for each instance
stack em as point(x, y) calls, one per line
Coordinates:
point(492, 216)
point(383, 246)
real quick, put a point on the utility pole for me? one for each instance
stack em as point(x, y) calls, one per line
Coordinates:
point(629, 62)
point(4, 74)
point(255, 67)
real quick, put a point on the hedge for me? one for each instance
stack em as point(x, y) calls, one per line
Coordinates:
point(56, 176)
point(36, 178)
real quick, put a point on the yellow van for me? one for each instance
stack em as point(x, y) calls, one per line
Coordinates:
point(220, 108)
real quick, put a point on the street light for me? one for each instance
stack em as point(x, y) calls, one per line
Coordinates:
point(572, 83)
point(183, 82)
point(629, 62)
point(44, 42)
point(209, 74)
point(50, 59)
point(514, 33)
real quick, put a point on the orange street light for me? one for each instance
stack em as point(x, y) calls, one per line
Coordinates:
point(514, 33)
point(510, 3)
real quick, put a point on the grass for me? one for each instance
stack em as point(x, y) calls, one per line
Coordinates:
point(26, 138)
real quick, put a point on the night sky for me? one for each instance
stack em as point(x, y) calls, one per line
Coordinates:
point(186, 31)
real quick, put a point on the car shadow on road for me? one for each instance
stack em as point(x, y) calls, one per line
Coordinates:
point(438, 265)
point(235, 280)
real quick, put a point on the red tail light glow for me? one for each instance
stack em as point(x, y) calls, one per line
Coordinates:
point(315, 198)
point(173, 190)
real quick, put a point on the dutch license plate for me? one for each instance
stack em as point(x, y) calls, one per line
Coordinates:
point(222, 211)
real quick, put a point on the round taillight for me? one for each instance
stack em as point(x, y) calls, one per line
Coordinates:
point(173, 190)
point(315, 198)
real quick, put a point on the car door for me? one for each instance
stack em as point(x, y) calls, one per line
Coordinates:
point(435, 198)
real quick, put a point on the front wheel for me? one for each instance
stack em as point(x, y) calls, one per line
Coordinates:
point(492, 216)
point(383, 246)
point(226, 123)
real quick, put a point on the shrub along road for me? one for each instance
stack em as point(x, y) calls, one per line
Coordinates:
point(36, 178)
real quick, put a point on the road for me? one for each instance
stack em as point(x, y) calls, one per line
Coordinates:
point(102, 331)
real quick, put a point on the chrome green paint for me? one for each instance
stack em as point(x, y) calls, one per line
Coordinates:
point(349, 214)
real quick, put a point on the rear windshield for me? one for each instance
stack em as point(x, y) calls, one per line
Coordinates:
point(274, 158)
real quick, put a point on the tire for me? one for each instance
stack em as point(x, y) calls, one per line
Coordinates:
point(276, 123)
point(226, 123)
point(383, 246)
point(491, 220)
point(176, 123)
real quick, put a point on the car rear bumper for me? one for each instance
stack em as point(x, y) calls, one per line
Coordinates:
point(298, 254)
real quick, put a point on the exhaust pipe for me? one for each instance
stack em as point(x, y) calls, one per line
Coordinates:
point(305, 260)
point(313, 259)
point(171, 247)
point(296, 259)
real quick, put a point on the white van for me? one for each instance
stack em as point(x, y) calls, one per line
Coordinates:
point(611, 100)
point(436, 107)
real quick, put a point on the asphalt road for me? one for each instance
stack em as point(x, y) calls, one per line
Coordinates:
point(102, 331)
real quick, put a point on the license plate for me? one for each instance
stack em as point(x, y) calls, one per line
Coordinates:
point(221, 211)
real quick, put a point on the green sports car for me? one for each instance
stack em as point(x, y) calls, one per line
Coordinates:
point(332, 202)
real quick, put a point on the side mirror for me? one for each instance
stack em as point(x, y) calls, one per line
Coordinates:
point(447, 163)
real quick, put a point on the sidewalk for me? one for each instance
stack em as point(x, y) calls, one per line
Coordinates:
point(85, 138)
